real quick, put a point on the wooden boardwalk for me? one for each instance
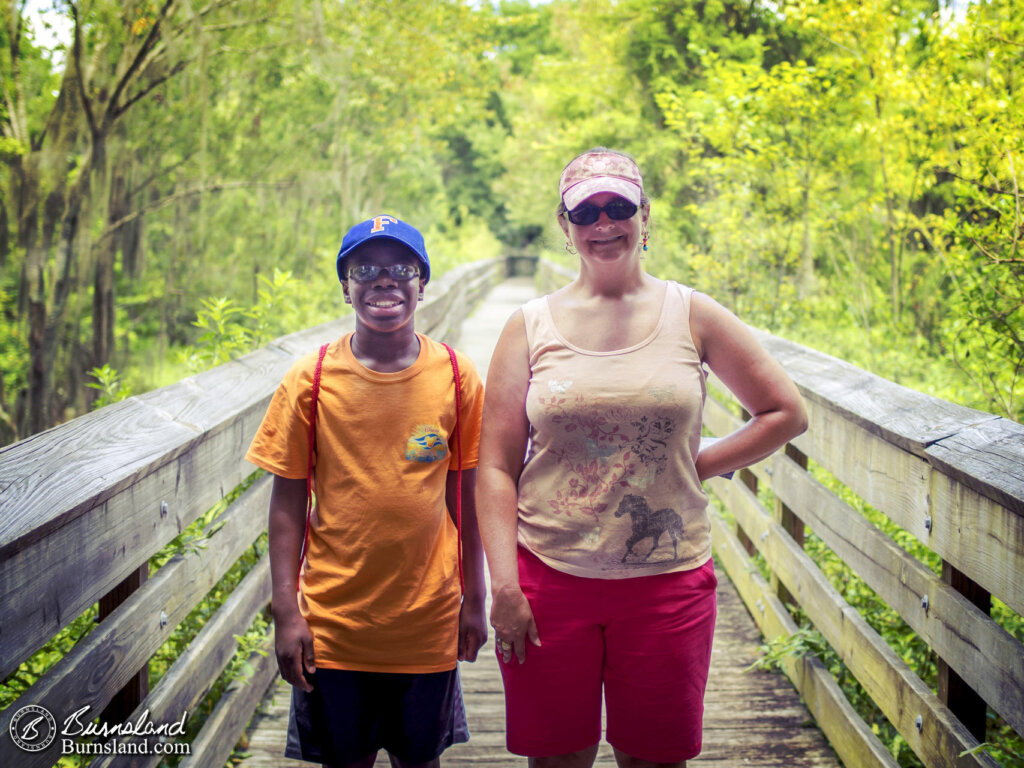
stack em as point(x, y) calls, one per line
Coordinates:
point(751, 718)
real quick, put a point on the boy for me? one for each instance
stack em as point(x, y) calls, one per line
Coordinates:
point(370, 641)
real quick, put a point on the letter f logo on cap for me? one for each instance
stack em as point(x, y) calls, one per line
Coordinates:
point(384, 226)
point(380, 221)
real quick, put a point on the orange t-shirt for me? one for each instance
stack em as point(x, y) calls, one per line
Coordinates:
point(380, 584)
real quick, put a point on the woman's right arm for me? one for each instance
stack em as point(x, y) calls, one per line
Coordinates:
point(503, 440)
point(286, 529)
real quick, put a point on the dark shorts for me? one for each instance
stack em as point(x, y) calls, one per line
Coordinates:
point(349, 716)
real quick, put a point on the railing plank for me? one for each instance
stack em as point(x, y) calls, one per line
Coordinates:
point(970, 448)
point(988, 458)
point(899, 693)
point(971, 642)
point(49, 479)
point(96, 668)
point(892, 480)
point(848, 734)
point(979, 536)
point(49, 582)
point(904, 417)
point(962, 635)
point(226, 724)
point(191, 676)
point(435, 307)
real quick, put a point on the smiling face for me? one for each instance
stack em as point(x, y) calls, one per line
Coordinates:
point(383, 304)
point(605, 240)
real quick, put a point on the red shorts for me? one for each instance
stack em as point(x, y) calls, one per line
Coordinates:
point(647, 640)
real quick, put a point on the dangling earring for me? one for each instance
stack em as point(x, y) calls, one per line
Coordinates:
point(645, 241)
point(348, 299)
point(570, 248)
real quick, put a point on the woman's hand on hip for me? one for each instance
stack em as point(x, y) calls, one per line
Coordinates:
point(512, 619)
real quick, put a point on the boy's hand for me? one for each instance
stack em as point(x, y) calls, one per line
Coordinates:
point(472, 629)
point(293, 643)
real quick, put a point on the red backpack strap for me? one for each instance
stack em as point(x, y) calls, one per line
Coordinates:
point(312, 448)
point(458, 475)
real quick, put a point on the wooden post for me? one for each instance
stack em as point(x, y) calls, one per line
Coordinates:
point(961, 699)
point(749, 479)
point(128, 698)
point(789, 520)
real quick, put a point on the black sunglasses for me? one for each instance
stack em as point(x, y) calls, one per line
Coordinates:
point(365, 273)
point(617, 210)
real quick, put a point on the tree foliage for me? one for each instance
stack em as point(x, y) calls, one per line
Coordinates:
point(844, 173)
point(176, 176)
point(177, 151)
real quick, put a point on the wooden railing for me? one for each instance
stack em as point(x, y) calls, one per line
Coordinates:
point(86, 505)
point(951, 477)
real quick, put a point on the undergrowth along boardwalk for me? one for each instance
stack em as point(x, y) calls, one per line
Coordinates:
point(752, 718)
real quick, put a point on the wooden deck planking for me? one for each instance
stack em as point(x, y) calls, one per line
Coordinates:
point(751, 718)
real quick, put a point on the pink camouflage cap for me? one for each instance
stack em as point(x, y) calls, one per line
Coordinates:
point(596, 172)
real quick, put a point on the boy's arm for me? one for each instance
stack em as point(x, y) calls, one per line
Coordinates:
point(472, 621)
point(286, 529)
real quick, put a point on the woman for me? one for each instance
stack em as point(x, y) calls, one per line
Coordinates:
point(598, 542)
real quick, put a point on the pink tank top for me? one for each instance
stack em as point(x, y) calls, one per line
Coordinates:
point(609, 489)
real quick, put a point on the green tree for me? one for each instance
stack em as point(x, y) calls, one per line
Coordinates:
point(980, 238)
point(59, 172)
point(188, 151)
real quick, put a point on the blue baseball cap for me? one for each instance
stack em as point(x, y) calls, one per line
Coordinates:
point(387, 227)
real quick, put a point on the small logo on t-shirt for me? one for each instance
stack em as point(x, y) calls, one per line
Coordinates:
point(426, 444)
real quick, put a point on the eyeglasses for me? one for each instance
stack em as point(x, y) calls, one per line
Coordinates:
point(617, 210)
point(366, 273)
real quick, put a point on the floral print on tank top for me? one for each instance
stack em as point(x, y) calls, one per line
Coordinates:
point(605, 448)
